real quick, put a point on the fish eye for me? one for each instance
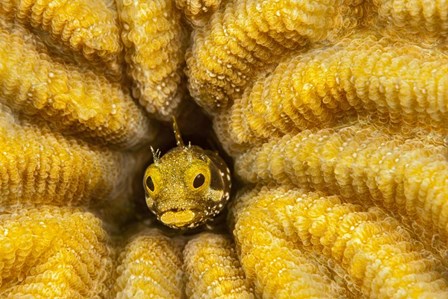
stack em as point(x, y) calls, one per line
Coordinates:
point(199, 180)
point(150, 183)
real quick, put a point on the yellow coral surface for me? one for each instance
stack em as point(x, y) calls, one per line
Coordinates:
point(249, 35)
point(333, 113)
point(213, 269)
point(51, 252)
point(71, 100)
point(378, 255)
point(40, 166)
point(88, 27)
point(150, 266)
point(272, 263)
point(154, 40)
point(407, 176)
point(365, 74)
point(198, 12)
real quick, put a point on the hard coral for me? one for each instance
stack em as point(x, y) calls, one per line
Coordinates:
point(213, 269)
point(42, 167)
point(407, 176)
point(66, 135)
point(88, 27)
point(71, 100)
point(198, 12)
point(363, 74)
point(150, 265)
point(51, 252)
point(246, 36)
point(155, 42)
point(417, 15)
point(333, 110)
point(272, 264)
point(381, 259)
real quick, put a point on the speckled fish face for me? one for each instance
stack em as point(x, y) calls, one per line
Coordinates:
point(187, 186)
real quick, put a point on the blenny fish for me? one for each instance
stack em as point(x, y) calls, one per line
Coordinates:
point(187, 186)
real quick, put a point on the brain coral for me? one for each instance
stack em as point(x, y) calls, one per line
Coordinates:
point(334, 113)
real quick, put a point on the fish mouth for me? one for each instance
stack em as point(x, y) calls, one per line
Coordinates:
point(178, 218)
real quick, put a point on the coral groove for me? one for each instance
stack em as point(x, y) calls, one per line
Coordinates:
point(248, 35)
point(51, 252)
point(213, 269)
point(380, 257)
point(72, 101)
point(150, 265)
point(406, 176)
point(154, 40)
point(88, 27)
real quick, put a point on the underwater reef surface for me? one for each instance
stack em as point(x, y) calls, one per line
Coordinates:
point(334, 113)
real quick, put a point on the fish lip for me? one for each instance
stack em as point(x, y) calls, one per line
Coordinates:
point(169, 216)
point(177, 210)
